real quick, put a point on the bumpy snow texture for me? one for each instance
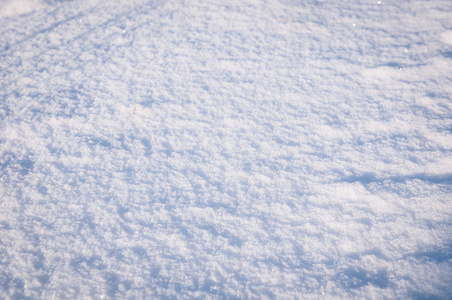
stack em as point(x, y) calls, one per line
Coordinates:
point(225, 149)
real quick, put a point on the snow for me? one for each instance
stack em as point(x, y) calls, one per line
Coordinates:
point(248, 149)
point(9, 8)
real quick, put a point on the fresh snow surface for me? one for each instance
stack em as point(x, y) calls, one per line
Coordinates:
point(225, 149)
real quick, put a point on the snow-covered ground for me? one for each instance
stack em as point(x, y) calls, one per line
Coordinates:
point(225, 149)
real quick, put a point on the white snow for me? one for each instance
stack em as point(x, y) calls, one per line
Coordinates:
point(203, 149)
point(9, 8)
